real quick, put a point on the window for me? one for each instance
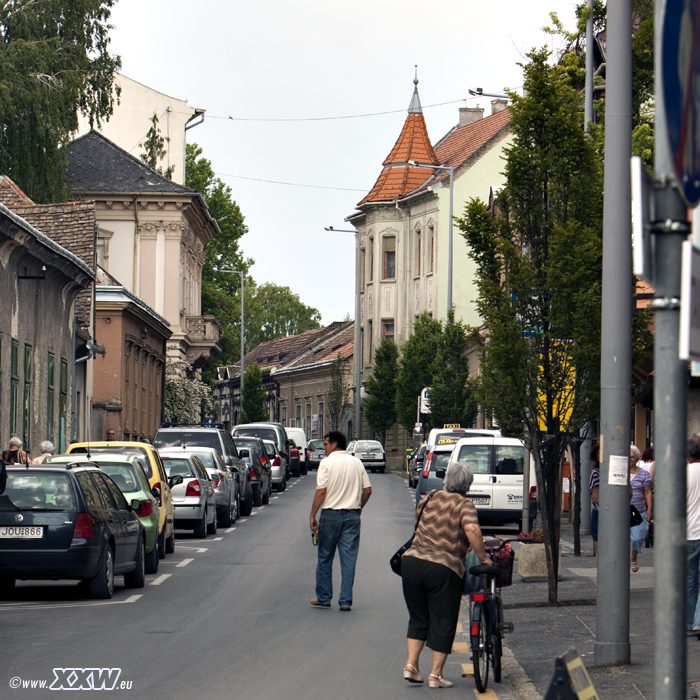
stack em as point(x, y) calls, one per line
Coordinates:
point(362, 346)
point(510, 459)
point(363, 262)
point(389, 257)
point(320, 418)
point(371, 259)
point(284, 416)
point(14, 385)
point(388, 330)
point(308, 421)
point(431, 249)
point(297, 423)
point(27, 395)
point(418, 251)
point(62, 406)
point(50, 371)
point(369, 332)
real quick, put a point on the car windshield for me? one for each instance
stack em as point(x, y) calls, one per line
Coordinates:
point(187, 438)
point(37, 491)
point(440, 461)
point(315, 445)
point(263, 433)
point(477, 457)
point(123, 475)
point(139, 452)
point(368, 446)
point(248, 444)
point(177, 467)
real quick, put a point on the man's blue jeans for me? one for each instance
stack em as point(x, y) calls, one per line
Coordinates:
point(693, 614)
point(341, 529)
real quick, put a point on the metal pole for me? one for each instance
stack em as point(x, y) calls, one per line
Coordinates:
point(358, 348)
point(588, 113)
point(449, 244)
point(242, 274)
point(670, 381)
point(585, 494)
point(612, 646)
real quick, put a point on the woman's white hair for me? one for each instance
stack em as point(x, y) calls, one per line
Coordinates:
point(46, 446)
point(635, 451)
point(458, 478)
point(15, 442)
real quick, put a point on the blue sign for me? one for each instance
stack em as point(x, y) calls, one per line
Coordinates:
point(681, 84)
point(209, 422)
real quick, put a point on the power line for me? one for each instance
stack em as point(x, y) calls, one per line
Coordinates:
point(290, 184)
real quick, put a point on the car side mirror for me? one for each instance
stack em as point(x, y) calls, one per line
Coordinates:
point(440, 473)
point(135, 504)
point(175, 480)
point(419, 459)
point(233, 470)
point(289, 443)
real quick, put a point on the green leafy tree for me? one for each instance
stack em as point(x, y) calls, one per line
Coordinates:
point(451, 395)
point(539, 282)
point(254, 399)
point(380, 407)
point(186, 400)
point(54, 65)
point(338, 394)
point(154, 147)
point(417, 366)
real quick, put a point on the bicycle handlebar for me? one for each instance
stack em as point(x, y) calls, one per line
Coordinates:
point(503, 543)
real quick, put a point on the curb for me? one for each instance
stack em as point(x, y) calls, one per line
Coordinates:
point(522, 686)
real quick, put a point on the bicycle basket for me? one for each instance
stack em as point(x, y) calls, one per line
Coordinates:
point(504, 562)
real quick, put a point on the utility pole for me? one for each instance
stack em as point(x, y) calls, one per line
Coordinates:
point(612, 646)
point(588, 110)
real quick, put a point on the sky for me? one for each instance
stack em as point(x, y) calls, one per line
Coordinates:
point(304, 60)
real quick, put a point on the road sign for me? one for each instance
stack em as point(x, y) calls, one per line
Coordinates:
point(425, 401)
point(314, 423)
point(689, 337)
point(681, 92)
point(208, 422)
point(642, 214)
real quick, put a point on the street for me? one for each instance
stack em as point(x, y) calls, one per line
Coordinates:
point(229, 616)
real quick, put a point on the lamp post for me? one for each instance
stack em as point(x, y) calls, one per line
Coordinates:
point(357, 353)
point(451, 171)
point(242, 274)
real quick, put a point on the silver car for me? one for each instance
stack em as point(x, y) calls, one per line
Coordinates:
point(279, 478)
point(194, 499)
point(225, 483)
point(316, 453)
point(370, 452)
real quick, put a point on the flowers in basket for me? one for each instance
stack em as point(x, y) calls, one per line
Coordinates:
point(535, 537)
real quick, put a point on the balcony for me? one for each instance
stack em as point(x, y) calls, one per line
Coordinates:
point(203, 339)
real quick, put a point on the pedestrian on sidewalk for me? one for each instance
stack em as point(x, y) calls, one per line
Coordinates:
point(47, 449)
point(693, 536)
point(342, 491)
point(15, 455)
point(433, 570)
point(640, 483)
point(647, 464)
point(594, 488)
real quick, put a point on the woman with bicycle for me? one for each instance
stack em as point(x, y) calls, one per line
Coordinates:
point(433, 571)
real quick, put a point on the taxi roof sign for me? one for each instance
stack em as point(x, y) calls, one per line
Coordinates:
point(445, 441)
point(452, 425)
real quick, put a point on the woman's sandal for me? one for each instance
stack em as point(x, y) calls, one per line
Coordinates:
point(412, 676)
point(635, 567)
point(438, 682)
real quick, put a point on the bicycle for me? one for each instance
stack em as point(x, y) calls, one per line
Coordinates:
point(487, 627)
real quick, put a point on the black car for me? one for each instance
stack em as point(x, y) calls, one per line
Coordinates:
point(252, 452)
point(69, 522)
point(415, 466)
point(266, 430)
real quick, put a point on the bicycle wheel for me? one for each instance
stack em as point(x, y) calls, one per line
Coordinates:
point(479, 633)
point(496, 649)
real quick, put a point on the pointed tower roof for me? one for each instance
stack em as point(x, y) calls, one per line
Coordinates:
point(398, 178)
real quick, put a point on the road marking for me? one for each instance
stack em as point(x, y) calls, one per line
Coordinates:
point(261, 507)
point(216, 539)
point(255, 512)
point(488, 695)
point(160, 579)
point(231, 529)
point(243, 520)
point(33, 606)
point(196, 549)
point(274, 498)
point(201, 550)
point(460, 647)
point(467, 671)
point(184, 562)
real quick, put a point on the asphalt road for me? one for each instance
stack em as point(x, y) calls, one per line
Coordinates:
point(229, 616)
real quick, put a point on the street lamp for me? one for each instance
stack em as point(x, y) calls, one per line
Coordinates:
point(242, 274)
point(451, 171)
point(358, 358)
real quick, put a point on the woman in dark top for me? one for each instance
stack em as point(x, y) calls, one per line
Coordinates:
point(433, 571)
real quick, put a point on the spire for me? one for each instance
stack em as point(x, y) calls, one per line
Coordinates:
point(415, 106)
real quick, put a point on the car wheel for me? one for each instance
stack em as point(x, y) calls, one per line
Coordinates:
point(152, 561)
point(257, 500)
point(238, 508)
point(304, 470)
point(266, 497)
point(212, 527)
point(226, 518)
point(281, 486)
point(102, 584)
point(137, 577)
point(170, 543)
point(382, 469)
point(162, 547)
point(200, 530)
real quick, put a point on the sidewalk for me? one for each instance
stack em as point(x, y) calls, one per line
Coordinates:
point(542, 633)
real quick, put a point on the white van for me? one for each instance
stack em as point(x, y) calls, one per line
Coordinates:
point(299, 437)
point(498, 465)
point(456, 433)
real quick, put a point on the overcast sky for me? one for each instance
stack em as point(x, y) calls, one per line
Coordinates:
point(276, 59)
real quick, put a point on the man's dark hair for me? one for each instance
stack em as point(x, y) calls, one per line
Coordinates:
point(338, 438)
point(694, 447)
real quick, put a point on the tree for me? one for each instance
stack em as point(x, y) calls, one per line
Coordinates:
point(338, 394)
point(54, 64)
point(186, 400)
point(154, 147)
point(451, 395)
point(254, 398)
point(538, 258)
point(416, 369)
point(380, 407)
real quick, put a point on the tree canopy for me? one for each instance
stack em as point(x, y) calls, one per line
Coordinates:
point(338, 394)
point(54, 65)
point(379, 408)
point(154, 149)
point(254, 398)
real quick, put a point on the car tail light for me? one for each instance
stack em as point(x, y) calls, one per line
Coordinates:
point(145, 509)
point(83, 527)
point(426, 468)
point(295, 453)
point(254, 474)
point(263, 460)
point(277, 461)
point(216, 479)
point(474, 629)
point(193, 488)
point(533, 493)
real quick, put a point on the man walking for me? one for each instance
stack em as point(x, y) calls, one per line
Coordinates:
point(342, 490)
point(693, 535)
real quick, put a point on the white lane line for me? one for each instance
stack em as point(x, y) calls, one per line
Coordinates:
point(160, 579)
point(231, 529)
point(201, 550)
point(184, 562)
point(217, 539)
point(274, 498)
point(32, 606)
point(243, 520)
point(255, 512)
point(261, 507)
point(197, 549)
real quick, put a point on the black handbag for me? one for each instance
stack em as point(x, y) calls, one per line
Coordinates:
point(395, 561)
point(635, 516)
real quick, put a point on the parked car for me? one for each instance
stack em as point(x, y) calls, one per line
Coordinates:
point(190, 436)
point(157, 478)
point(299, 437)
point(415, 466)
point(69, 522)
point(294, 458)
point(436, 460)
point(279, 478)
point(224, 480)
point(127, 473)
point(456, 433)
point(194, 496)
point(316, 453)
point(266, 430)
point(370, 452)
point(260, 479)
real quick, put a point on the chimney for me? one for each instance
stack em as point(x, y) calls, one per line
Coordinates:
point(469, 115)
point(498, 105)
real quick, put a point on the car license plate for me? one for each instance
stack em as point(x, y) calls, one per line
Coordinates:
point(21, 533)
point(480, 500)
